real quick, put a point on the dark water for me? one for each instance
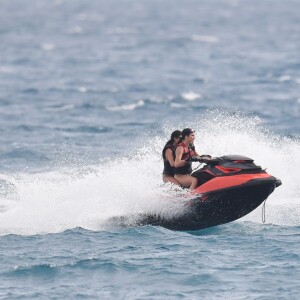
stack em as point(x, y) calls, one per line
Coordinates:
point(89, 93)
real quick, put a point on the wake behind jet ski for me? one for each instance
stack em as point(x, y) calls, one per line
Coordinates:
point(229, 187)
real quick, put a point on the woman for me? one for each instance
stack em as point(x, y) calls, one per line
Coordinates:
point(183, 167)
point(168, 155)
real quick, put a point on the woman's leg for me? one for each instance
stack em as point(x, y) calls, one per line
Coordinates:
point(170, 179)
point(194, 183)
point(187, 180)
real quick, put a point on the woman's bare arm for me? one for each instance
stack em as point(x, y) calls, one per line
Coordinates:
point(178, 161)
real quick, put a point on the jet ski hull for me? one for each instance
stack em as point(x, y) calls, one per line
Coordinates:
point(216, 208)
point(230, 187)
point(225, 206)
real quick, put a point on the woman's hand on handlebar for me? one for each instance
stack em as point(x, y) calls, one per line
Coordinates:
point(205, 157)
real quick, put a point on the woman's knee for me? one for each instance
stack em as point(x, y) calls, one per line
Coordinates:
point(194, 180)
point(183, 179)
point(194, 183)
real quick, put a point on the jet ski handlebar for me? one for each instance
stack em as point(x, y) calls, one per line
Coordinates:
point(206, 159)
point(201, 158)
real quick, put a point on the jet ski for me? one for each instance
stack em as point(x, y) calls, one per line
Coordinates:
point(229, 187)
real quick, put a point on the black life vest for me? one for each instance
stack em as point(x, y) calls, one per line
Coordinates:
point(168, 169)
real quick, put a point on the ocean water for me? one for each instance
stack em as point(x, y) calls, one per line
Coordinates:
point(90, 92)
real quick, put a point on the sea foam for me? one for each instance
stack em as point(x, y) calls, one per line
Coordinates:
point(90, 196)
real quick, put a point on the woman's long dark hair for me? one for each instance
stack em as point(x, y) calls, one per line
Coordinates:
point(175, 134)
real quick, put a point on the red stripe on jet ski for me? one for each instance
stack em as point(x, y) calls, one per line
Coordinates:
point(218, 183)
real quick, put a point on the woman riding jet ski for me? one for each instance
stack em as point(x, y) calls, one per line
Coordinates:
point(229, 187)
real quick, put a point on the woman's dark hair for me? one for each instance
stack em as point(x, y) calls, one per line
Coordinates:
point(175, 134)
point(186, 132)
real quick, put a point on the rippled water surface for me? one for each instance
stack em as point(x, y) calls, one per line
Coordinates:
point(90, 92)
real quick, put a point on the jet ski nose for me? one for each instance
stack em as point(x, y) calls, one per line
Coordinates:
point(278, 182)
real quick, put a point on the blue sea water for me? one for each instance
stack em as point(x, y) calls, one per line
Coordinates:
point(90, 92)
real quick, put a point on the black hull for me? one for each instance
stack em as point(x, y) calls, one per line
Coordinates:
point(218, 208)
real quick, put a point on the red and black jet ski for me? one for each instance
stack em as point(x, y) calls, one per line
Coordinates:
point(229, 188)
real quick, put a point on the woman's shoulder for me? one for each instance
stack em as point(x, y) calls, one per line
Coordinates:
point(169, 147)
point(182, 145)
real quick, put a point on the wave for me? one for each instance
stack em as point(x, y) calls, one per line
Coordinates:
point(87, 129)
point(205, 38)
point(191, 96)
point(131, 106)
point(90, 196)
point(59, 108)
